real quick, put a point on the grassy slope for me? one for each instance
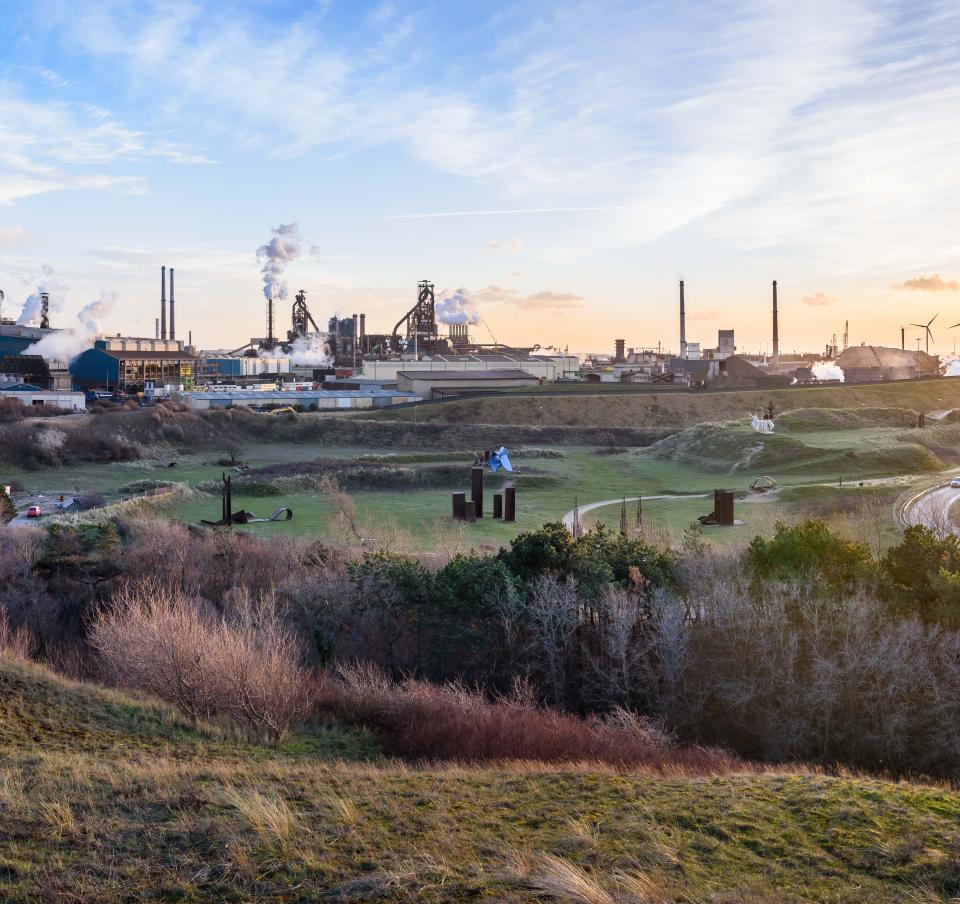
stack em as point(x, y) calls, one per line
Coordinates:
point(103, 799)
point(645, 409)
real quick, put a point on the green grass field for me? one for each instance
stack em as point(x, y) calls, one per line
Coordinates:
point(711, 457)
point(860, 433)
point(104, 798)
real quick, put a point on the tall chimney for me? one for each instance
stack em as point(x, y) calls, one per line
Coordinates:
point(173, 331)
point(163, 302)
point(156, 328)
point(776, 327)
point(903, 339)
point(683, 325)
point(363, 328)
point(356, 318)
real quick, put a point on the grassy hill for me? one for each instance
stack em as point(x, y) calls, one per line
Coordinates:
point(667, 409)
point(731, 447)
point(103, 798)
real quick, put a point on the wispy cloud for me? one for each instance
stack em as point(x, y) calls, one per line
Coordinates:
point(512, 247)
point(54, 146)
point(819, 300)
point(16, 237)
point(705, 314)
point(934, 283)
point(543, 300)
point(778, 126)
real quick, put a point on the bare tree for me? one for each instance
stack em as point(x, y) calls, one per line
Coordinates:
point(554, 613)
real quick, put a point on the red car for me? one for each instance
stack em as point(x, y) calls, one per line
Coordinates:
point(34, 511)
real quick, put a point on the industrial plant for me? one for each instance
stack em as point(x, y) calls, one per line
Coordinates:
point(429, 353)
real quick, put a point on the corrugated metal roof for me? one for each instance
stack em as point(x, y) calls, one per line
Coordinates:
point(129, 354)
point(299, 395)
point(466, 375)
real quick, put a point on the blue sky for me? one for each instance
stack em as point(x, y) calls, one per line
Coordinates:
point(564, 163)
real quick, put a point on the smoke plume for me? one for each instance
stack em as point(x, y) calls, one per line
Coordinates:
point(276, 254)
point(828, 370)
point(57, 290)
point(311, 351)
point(952, 367)
point(65, 345)
point(456, 308)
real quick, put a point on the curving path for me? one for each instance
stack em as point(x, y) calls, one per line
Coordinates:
point(590, 506)
point(931, 508)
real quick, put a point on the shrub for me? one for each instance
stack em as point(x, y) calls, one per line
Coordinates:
point(800, 676)
point(17, 642)
point(597, 559)
point(921, 576)
point(811, 553)
point(8, 511)
point(246, 671)
point(449, 722)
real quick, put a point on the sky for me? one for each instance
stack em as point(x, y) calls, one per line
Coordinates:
point(564, 164)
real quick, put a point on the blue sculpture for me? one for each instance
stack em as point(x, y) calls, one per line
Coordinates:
point(500, 459)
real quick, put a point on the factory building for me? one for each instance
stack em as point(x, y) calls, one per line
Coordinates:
point(547, 368)
point(37, 371)
point(226, 368)
point(15, 339)
point(28, 368)
point(875, 363)
point(34, 397)
point(308, 400)
point(439, 384)
point(130, 364)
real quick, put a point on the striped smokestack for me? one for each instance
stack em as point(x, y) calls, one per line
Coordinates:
point(776, 326)
point(163, 302)
point(683, 325)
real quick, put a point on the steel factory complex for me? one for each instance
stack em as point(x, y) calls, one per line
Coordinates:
point(345, 366)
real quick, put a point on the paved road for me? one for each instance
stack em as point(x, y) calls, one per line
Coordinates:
point(590, 506)
point(931, 508)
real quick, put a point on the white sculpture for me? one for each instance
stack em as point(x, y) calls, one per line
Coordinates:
point(761, 424)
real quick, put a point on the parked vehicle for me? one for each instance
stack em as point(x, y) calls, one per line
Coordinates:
point(34, 511)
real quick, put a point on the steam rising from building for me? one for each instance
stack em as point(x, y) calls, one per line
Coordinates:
point(65, 345)
point(276, 254)
point(456, 308)
point(32, 312)
point(828, 370)
point(311, 351)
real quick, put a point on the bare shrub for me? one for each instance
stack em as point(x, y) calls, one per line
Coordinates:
point(17, 642)
point(245, 670)
point(790, 675)
point(451, 722)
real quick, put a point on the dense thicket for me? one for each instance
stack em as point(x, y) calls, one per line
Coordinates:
point(803, 645)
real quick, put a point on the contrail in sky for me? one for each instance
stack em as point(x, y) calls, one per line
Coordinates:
point(491, 213)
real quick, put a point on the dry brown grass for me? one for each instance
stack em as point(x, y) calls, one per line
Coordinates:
point(425, 721)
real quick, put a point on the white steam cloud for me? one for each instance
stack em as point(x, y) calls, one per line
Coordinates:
point(30, 313)
point(311, 351)
point(953, 368)
point(65, 345)
point(828, 370)
point(276, 254)
point(456, 308)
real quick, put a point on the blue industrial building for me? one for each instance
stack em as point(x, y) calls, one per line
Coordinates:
point(127, 364)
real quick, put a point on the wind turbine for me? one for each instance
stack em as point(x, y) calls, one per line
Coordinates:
point(926, 328)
